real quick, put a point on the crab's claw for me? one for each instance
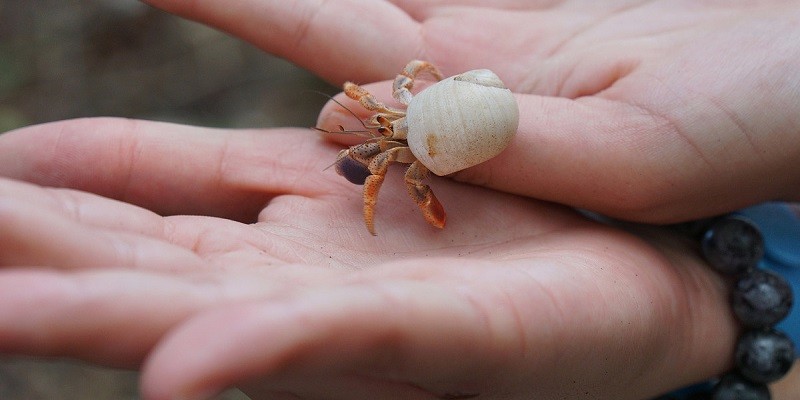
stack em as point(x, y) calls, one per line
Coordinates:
point(422, 194)
point(431, 208)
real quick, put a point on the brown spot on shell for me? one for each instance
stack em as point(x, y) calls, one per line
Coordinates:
point(432, 140)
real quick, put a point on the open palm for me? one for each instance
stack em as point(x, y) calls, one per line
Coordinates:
point(515, 299)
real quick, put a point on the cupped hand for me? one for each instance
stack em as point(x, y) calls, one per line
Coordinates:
point(215, 258)
point(655, 111)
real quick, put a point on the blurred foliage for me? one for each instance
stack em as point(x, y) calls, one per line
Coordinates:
point(63, 59)
point(35, 379)
point(67, 58)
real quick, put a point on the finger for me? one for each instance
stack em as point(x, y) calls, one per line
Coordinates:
point(426, 5)
point(392, 331)
point(85, 208)
point(593, 154)
point(625, 161)
point(140, 231)
point(326, 37)
point(336, 387)
point(33, 236)
point(330, 333)
point(168, 168)
point(108, 317)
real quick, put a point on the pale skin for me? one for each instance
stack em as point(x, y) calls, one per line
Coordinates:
point(215, 258)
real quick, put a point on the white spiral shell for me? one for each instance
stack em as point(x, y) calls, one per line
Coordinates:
point(461, 121)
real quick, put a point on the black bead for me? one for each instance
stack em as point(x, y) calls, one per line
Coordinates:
point(735, 387)
point(761, 299)
point(701, 396)
point(764, 355)
point(733, 245)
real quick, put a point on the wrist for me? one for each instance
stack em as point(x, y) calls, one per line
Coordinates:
point(759, 247)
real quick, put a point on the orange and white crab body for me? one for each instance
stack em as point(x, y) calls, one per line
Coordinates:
point(452, 125)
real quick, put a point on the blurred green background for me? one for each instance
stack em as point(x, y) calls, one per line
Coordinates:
point(63, 59)
point(69, 58)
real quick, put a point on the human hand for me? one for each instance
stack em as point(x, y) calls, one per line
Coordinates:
point(649, 111)
point(515, 299)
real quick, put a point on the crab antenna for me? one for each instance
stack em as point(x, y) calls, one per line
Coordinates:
point(358, 132)
point(332, 164)
point(366, 128)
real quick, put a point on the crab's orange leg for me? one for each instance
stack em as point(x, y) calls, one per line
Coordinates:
point(369, 101)
point(378, 167)
point(371, 187)
point(422, 194)
point(401, 88)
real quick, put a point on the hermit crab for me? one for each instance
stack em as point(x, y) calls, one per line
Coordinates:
point(454, 124)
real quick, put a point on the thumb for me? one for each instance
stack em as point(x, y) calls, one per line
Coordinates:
point(589, 153)
point(627, 161)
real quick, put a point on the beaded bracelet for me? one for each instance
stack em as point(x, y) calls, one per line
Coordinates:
point(760, 299)
point(734, 246)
